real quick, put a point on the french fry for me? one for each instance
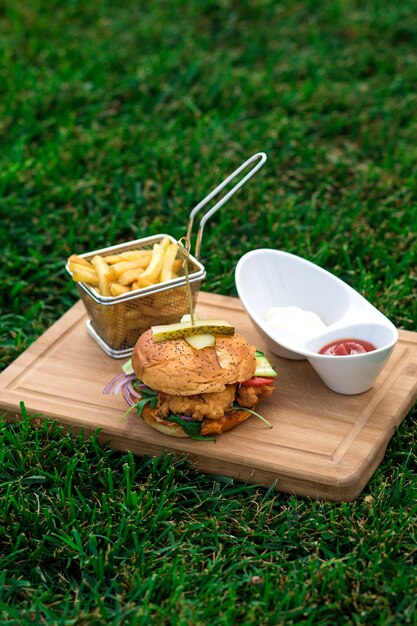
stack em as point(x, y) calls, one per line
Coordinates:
point(168, 263)
point(118, 290)
point(103, 273)
point(83, 274)
point(111, 274)
point(122, 266)
point(89, 269)
point(128, 255)
point(141, 284)
point(74, 258)
point(130, 276)
point(165, 243)
point(150, 275)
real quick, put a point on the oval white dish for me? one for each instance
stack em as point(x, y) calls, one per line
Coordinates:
point(267, 278)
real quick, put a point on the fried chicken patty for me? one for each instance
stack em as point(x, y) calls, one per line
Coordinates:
point(200, 406)
point(210, 405)
point(249, 396)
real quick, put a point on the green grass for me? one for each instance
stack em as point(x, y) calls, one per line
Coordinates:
point(115, 120)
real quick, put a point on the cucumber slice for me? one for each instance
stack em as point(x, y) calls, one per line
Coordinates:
point(185, 329)
point(201, 341)
point(263, 366)
point(127, 367)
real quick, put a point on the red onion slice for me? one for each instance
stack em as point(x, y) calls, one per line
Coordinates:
point(118, 383)
point(118, 386)
point(107, 389)
point(187, 418)
point(127, 396)
point(133, 391)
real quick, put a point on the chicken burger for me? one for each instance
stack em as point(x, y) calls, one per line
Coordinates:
point(189, 392)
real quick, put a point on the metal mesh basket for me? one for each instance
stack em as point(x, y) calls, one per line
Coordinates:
point(116, 322)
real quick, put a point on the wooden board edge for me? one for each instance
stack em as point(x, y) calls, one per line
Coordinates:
point(345, 487)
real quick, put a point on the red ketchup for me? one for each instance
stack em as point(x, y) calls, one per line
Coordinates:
point(345, 347)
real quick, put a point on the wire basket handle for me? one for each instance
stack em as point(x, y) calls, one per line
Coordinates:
point(261, 158)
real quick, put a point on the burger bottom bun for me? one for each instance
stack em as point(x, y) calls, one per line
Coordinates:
point(209, 427)
point(166, 427)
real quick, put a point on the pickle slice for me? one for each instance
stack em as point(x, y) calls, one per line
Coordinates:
point(187, 317)
point(185, 329)
point(201, 341)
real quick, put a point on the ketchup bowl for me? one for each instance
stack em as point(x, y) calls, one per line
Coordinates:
point(355, 371)
point(299, 308)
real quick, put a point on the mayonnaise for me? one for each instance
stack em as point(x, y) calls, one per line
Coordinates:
point(295, 320)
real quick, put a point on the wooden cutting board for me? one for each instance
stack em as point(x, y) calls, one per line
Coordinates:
point(322, 444)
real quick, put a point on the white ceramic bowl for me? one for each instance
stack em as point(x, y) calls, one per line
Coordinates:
point(268, 278)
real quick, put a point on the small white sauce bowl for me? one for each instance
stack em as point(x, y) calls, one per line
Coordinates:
point(266, 278)
point(354, 373)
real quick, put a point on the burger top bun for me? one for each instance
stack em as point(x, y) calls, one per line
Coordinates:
point(176, 368)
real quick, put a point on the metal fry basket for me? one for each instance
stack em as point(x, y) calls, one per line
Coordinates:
point(116, 322)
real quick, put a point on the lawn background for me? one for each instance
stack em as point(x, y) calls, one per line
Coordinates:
point(116, 119)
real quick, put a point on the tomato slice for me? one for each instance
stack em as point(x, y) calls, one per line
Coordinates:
point(258, 380)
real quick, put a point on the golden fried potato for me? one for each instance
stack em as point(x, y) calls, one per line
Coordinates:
point(83, 274)
point(141, 284)
point(118, 290)
point(128, 255)
point(78, 260)
point(103, 273)
point(150, 275)
point(130, 276)
point(123, 266)
point(167, 271)
point(165, 243)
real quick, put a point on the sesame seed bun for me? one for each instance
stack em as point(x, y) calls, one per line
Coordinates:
point(174, 367)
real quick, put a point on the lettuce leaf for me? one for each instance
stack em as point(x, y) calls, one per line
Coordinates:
point(149, 396)
point(193, 429)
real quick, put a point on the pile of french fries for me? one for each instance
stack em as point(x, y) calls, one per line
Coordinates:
point(117, 274)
